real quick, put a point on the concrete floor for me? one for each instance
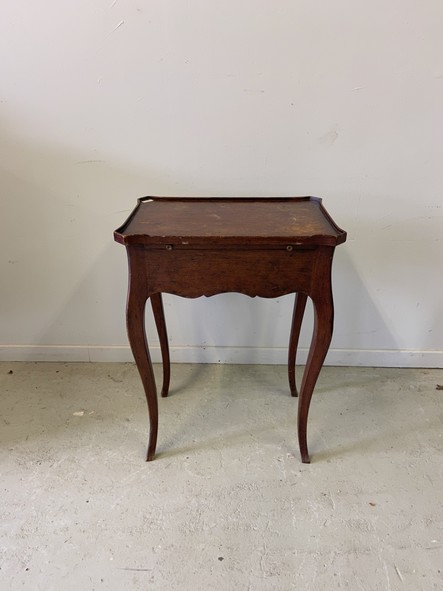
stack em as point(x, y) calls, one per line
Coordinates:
point(227, 504)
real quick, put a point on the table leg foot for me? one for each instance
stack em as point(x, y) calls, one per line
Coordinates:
point(152, 444)
point(159, 317)
point(305, 458)
point(297, 318)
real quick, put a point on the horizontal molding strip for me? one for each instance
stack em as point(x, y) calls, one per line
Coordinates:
point(235, 355)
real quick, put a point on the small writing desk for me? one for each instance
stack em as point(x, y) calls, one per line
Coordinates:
point(264, 247)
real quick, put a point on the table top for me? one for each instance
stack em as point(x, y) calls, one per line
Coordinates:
point(230, 220)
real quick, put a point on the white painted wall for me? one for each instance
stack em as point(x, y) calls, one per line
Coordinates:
point(104, 101)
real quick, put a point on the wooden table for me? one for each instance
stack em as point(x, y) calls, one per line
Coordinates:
point(264, 247)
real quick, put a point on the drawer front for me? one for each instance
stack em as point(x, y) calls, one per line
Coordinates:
point(256, 272)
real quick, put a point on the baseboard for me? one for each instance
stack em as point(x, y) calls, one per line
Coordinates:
point(235, 355)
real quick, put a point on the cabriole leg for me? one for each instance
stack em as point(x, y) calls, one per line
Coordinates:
point(297, 318)
point(323, 325)
point(159, 317)
point(135, 318)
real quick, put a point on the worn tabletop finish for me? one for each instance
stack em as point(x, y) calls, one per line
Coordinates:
point(198, 220)
point(264, 247)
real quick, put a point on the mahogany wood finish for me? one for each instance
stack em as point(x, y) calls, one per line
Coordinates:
point(265, 247)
